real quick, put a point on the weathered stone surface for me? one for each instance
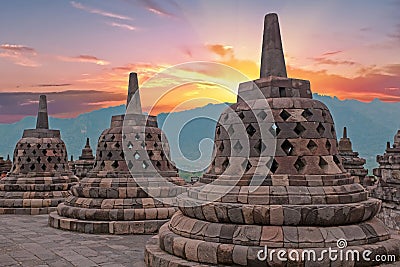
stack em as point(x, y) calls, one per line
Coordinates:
point(119, 195)
point(288, 191)
point(40, 177)
point(388, 188)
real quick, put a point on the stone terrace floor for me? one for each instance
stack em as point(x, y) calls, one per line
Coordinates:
point(28, 241)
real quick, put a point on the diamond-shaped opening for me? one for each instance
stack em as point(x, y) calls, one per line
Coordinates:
point(225, 164)
point(262, 114)
point(59, 159)
point(324, 114)
point(115, 164)
point(55, 167)
point(287, 147)
point(102, 164)
point(145, 165)
point(322, 163)
point(130, 164)
point(275, 130)
point(158, 164)
point(307, 114)
point(32, 167)
point(241, 115)
point(246, 165)
point(117, 145)
point(162, 154)
point(109, 155)
point(104, 137)
point(312, 146)
point(38, 159)
point(124, 137)
point(336, 160)
point(150, 153)
point(34, 152)
point(251, 130)
point(122, 154)
point(260, 146)
point(137, 136)
point(284, 115)
point(48, 145)
point(159, 137)
point(231, 130)
point(44, 152)
point(43, 167)
point(328, 145)
point(155, 144)
point(320, 129)
point(38, 145)
point(143, 144)
point(218, 130)
point(49, 159)
point(299, 129)
point(221, 146)
point(136, 155)
point(28, 159)
point(24, 152)
point(101, 154)
point(148, 136)
point(19, 159)
point(113, 137)
point(299, 164)
point(54, 152)
point(57, 146)
point(130, 145)
point(273, 166)
point(29, 145)
point(238, 147)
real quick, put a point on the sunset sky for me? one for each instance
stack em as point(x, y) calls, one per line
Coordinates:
point(81, 52)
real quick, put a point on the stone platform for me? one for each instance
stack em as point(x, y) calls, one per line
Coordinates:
point(28, 241)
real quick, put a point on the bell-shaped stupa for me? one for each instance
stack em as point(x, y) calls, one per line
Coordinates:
point(85, 162)
point(287, 193)
point(388, 188)
point(5, 165)
point(40, 178)
point(351, 160)
point(109, 200)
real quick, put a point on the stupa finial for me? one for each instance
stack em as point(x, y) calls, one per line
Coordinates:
point(272, 58)
point(133, 94)
point(344, 132)
point(42, 117)
point(87, 142)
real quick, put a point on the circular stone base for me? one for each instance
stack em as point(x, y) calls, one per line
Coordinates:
point(27, 211)
point(156, 257)
point(105, 227)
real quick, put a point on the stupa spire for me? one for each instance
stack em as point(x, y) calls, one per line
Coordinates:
point(133, 94)
point(344, 132)
point(272, 58)
point(42, 117)
point(87, 143)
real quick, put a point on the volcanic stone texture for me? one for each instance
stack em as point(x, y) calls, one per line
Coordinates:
point(388, 189)
point(40, 178)
point(5, 165)
point(296, 198)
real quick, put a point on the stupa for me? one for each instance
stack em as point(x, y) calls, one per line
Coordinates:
point(40, 178)
point(85, 162)
point(5, 165)
point(114, 197)
point(303, 200)
point(388, 188)
point(351, 160)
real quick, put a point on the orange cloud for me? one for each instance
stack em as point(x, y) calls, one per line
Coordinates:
point(84, 59)
point(19, 54)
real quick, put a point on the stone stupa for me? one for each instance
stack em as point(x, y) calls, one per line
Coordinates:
point(5, 165)
point(40, 178)
point(388, 188)
point(114, 197)
point(85, 162)
point(305, 200)
point(351, 160)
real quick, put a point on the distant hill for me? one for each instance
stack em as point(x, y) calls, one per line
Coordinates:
point(370, 126)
